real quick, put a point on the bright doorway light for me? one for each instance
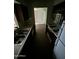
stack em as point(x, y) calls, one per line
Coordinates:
point(40, 15)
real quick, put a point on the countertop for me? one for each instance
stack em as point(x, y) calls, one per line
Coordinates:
point(56, 34)
point(18, 47)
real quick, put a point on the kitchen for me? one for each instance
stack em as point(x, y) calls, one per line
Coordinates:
point(26, 44)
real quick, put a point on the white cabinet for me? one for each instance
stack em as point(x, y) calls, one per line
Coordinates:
point(59, 48)
point(59, 51)
point(62, 37)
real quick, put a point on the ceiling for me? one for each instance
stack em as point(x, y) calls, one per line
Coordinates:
point(39, 2)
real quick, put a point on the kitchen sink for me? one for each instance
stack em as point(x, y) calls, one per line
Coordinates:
point(19, 38)
point(19, 41)
point(19, 35)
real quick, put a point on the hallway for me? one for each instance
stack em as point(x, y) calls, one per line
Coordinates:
point(41, 47)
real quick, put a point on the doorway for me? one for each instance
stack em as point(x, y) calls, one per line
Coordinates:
point(40, 19)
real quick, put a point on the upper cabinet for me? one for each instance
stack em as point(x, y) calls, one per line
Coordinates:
point(19, 14)
point(55, 2)
point(25, 12)
point(15, 23)
point(57, 17)
point(58, 14)
point(22, 9)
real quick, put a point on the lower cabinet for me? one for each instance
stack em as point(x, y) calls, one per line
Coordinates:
point(59, 48)
point(26, 51)
point(51, 37)
point(59, 51)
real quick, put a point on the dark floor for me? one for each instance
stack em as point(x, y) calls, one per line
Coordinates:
point(40, 46)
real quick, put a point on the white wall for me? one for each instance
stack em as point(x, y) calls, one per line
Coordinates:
point(40, 15)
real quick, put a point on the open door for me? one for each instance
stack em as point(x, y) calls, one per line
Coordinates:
point(40, 18)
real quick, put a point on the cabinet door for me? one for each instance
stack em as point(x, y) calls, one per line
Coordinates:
point(62, 37)
point(59, 50)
